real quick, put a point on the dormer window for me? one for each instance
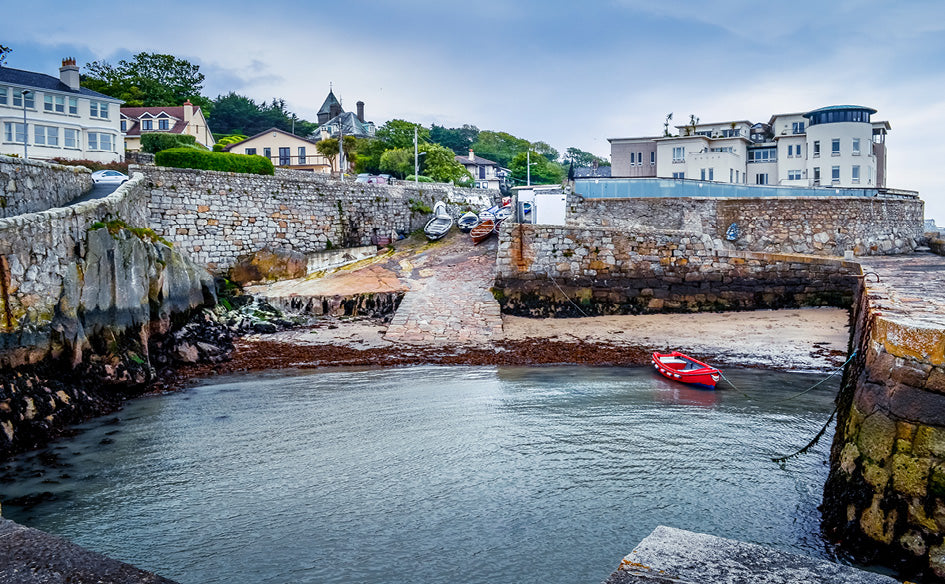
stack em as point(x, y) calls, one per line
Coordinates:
point(147, 124)
point(163, 124)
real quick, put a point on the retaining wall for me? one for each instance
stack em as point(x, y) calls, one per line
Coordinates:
point(31, 186)
point(573, 271)
point(219, 217)
point(807, 225)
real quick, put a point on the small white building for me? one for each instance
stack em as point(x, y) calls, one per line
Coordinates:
point(835, 146)
point(486, 173)
point(62, 119)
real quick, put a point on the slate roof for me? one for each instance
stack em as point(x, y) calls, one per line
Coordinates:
point(588, 172)
point(243, 142)
point(350, 124)
point(175, 113)
point(477, 160)
point(329, 101)
point(43, 81)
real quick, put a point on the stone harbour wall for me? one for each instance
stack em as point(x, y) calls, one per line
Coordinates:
point(220, 217)
point(885, 496)
point(572, 271)
point(31, 186)
point(806, 225)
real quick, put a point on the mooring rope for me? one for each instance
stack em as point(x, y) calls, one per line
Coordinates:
point(834, 372)
point(783, 459)
point(566, 296)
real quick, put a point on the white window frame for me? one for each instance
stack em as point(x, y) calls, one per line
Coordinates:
point(855, 174)
point(164, 124)
point(856, 147)
point(98, 109)
point(54, 104)
point(3, 96)
point(794, 175)
point(652, 157)
point(73, 106)
point(45, 135)
point(835, 147)
point(147, 124)
point(14, 132)
point(816, 153)
point(679, 153)
point(302, 157)
point(70, 138)
point(834, 174)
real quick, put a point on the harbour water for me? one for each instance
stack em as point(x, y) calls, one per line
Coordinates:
point(430, 474)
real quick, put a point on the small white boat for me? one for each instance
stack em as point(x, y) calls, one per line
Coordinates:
point(441, 223)
point(467, 221)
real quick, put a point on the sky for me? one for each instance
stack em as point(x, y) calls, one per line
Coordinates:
point(563, 72)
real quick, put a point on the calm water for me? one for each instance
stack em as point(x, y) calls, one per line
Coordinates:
point(430, 474)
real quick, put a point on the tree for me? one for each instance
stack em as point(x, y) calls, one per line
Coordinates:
point(369, 155)
point(458, 140)
point(499, 147)
point(439, 163)
point(399, 134)
point(3, 54)
point(580, 158)
point(329, 149)
point(545, 150)
point(236, 114)
point(543, 171)
point(149, 79)
point(398, 162)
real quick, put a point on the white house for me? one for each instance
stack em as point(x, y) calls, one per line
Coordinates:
point(485, 172)
point(56, 118)
point(181, 119)
point(832, 146)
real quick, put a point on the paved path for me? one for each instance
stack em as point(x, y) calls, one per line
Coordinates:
point(908, 287)
point(449, 301)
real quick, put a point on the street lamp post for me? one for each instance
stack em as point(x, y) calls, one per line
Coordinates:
point(416, 161)
point(26, 133)
point(528, 167)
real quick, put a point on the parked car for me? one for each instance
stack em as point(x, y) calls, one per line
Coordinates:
point(108, 177)
point(364, 177)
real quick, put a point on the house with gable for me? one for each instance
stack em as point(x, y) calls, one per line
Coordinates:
point(486, 173)
point(284, 149)
point(333, 120)
point(181, 119)
point(46, 117)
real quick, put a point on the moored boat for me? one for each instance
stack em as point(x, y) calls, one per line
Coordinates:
point(441, 223)
point(685, 369)
point(482, 231)
point(467, 221)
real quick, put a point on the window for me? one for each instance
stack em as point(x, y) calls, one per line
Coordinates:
point(250, 151)
point(55, 103)
point(816, 175)
point(147, 124)
point(285, 156)
point(835, 147)
point(711, 174)
point(18, 98)
point(797, 127)
point(835, 174)
point(736, 175)
point(74, 106)
point(731, 133)
point(855, 174)
point(163, 124)
point(3, 96)
point(14, 132)
point(301, 154)
point(679, 153)
point(702, 175)
point(633, 158)
point(816, 148)
point(856, 147)
point(100, 141)
point(679, 175)
point(790, 151)
point(70, 138)
point(98, 109)
point(267, 152)
point(761, 179)
point(46, 135)
point(763, 155)
point(731, 175)
point(794, 175)
point(640, 158)
point(124, 126)
point(653, 157)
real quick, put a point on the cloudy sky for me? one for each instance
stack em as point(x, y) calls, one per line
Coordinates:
point(568, 73)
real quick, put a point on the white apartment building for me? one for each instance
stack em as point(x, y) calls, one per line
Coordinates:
point(62, 119)
point(835, 146)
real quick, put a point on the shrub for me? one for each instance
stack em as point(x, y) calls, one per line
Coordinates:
point(222, 161)
point(157, 141)
point(420, 178)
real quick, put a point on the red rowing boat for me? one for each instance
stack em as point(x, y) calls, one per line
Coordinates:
point(482, 231)
point(685, 369)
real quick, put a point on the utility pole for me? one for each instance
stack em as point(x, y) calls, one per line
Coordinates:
point(416, 161)
point(26, 134)
point(341, 151)
point(528, 168)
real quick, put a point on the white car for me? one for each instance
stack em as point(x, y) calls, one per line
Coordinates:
point(108, 177)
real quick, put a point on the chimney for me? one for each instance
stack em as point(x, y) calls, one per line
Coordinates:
point(188, 111)
point(361, 111)
point(472, 156)
point(69, 73)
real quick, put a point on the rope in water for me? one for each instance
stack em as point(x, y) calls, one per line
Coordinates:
point(834, 372)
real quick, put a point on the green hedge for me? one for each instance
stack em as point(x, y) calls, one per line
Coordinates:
point(223, 161)
point(157, 141)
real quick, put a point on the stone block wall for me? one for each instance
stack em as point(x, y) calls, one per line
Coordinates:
point(885, 495)
point(807, 225)
point(219, 217)
point(31, 186)
point(572, 271)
